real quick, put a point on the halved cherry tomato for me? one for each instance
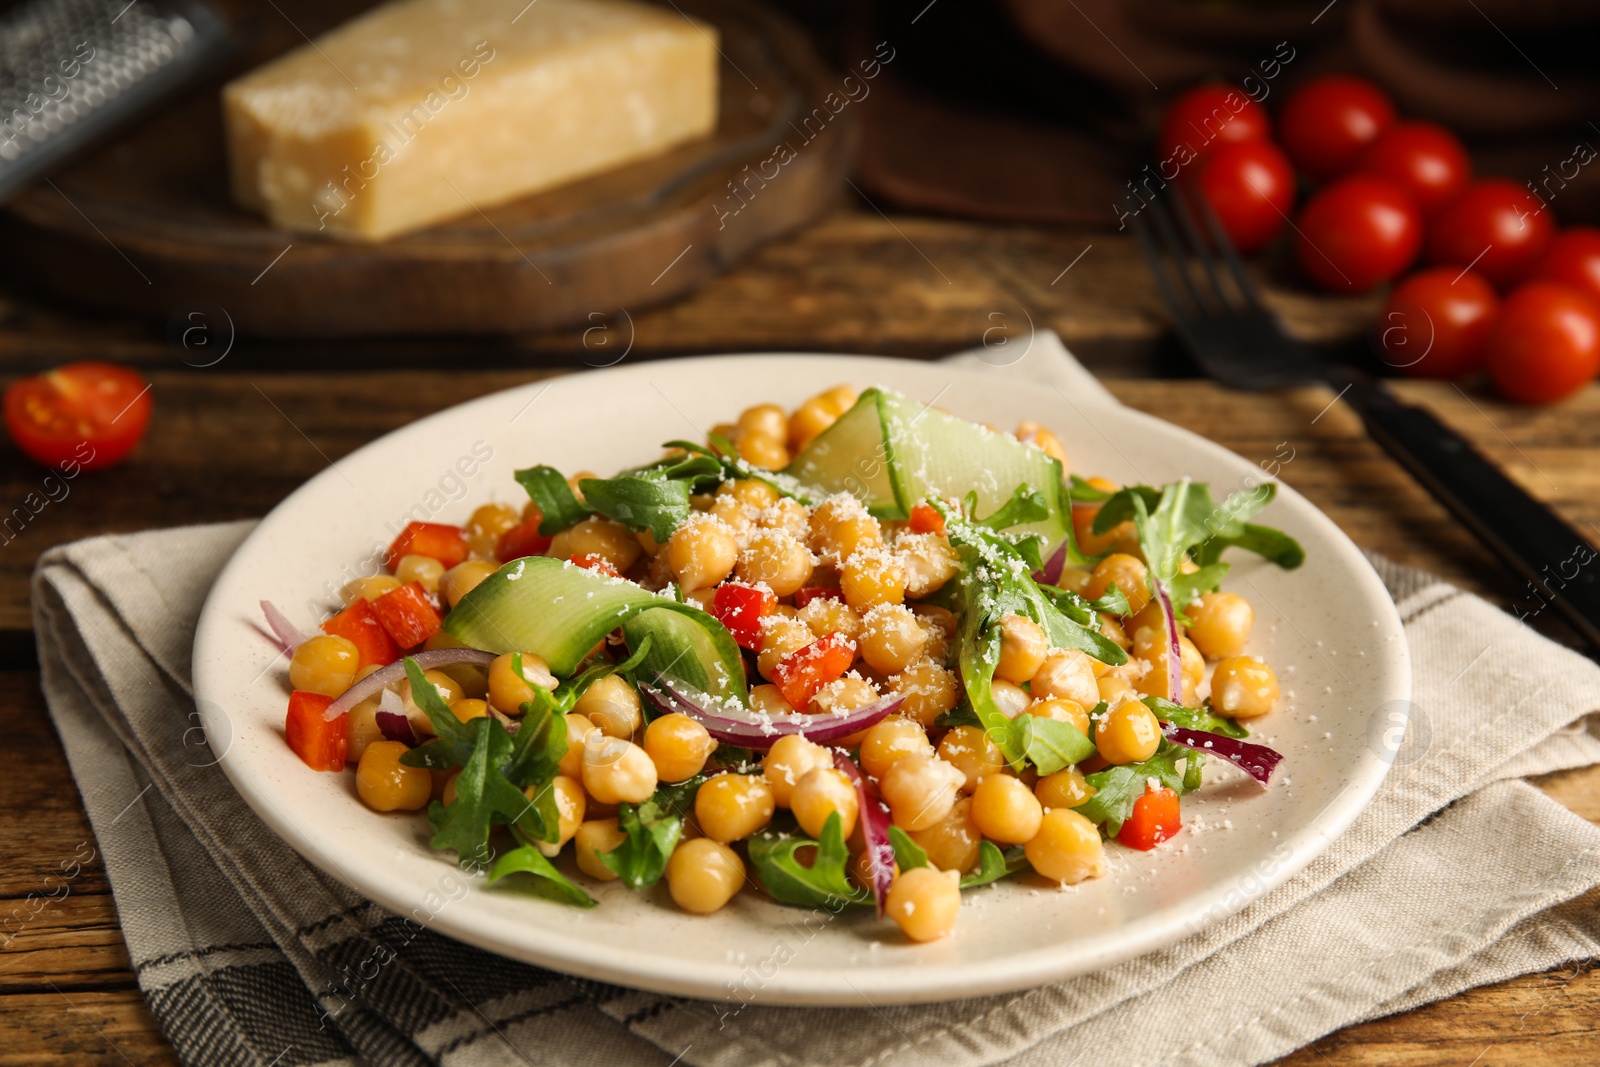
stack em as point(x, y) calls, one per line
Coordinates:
point(437, 540)
point(1155, 818)
point(800, 675)
point(1546, 343)
point(1573, 259)
point(359, 624)
point(1329, 121)
point(1250, 187)
point(1497, 227)
point(407, 614)
point(591, 562)
point(320, 743)
point(84, 414)
point(925, 518)
point(741, 608)
point(1358, 233)
point(1207, 117)
point(523, 539)
point(1426, 158)
point(802, 597)
point(1437, 323)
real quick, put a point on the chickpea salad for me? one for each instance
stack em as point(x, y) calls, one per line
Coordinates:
point(861, 654)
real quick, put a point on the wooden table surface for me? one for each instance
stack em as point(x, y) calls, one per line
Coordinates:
point(231, 440)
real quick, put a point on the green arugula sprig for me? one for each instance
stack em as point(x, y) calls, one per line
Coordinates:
point(653, 830)
point(774, 856)
point(1116, 788)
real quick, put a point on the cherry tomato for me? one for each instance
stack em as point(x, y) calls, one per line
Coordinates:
point(1437, 322)
point(1573, 259)
point(1250, 187)
point(1495, 219)
point(1545, 344)
point(90, 414)
point(1208, 116)
point(1358, 233)
point(1425, 158)
point(1329, 121)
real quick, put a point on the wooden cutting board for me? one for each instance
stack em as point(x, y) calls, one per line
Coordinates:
point(146, 225)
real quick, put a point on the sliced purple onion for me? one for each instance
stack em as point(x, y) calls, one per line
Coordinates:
point(392, 721)
point(394, 672)
point(750, 729)
point(1051, 574)
point(1174, 649)
point(288, 635)
point(1258, 761)
point(874, 829)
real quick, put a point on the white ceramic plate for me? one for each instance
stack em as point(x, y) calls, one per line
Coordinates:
point(1328, 628)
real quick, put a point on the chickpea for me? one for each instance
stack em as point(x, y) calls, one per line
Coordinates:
point(824, 616)
point(578, 731)
point(769, 419)
point(703, 875)
point(890, 639)
point(920, 790)
point(872, 577)
point(370, 588)
point(1062, 710)
point(1011, 699)
point(952, 843)
point(929, 562)
point(776, 558)
point(970, 750)
point(463, 578)
point(890, 741)
point(612, 705)
point(1127, 573)
point(1113, 631)
point(1066, 788)
point(941, 626)
point(780, 637)
point(702, 552)
point(762, 450)
point(1074, 580)
point(448, 689)
point(1150, 643)
point(852, 534)
point(704, 599)
point(617, 771)
point(820, 793)
point(787, 514)
point(1023, 646)
point(679, 747)
point(570, 802)
point(593, 839)
point(424, 570)
point(1066, 673)
point(739, 516)
point(1092, 543)
point(1067, 848)
point(1005, 810)
point(842, 695)
point(1220, 623)
point(487, 524)
point(324, 664)
point(509, 692)
point(731, 807)
point(1243, 687)
point(1115, 687)
point(1154, 681)
point(750, 492)
point(925, 903)
point(930, 691)
point(560, 545)
point(1128, 733)
point(817, 414)
point(769, 700)
point(468, 708)
point(386, 784)
point(790, 759)
point(609, 540)
point(363, 729)
point(1031, 433)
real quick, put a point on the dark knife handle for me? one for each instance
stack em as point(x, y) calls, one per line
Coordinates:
point(1559, 564)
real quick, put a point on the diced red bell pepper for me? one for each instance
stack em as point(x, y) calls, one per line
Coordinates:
point(523, 539)
point(800, 675)
point(591, 562)
point(437, 540)
point(408, 614)
point(359, 624)
point(322, 744)
point(926, 519)
point(741, 608)
point(802, 597)
point(1155, 818)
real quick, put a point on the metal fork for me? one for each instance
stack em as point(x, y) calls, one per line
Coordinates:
point(1218, 312)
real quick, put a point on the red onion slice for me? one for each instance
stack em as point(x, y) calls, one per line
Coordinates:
point(1258, 761)
point(1174, 649)
point(874, 829)
point(396, 727)
point(1051, 574)
point(396, 671)
point(288, 635)
point(753, 730)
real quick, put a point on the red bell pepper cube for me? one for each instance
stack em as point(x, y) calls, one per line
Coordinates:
point(523, 539)
point(408, 614)
point(591, 562)
point(926, 519)
point(1155, 818)
point(321, 743)
point(741, 608)
point(800, 675)
point(359, 624)
point(437, 540)
point(802, 597)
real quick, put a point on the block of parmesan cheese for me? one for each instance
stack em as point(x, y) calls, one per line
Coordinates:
point(421, 110)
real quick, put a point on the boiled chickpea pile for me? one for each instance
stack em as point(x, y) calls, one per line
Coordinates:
point(865, 580)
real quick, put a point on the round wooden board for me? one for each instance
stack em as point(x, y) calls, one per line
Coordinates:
point(147, 225)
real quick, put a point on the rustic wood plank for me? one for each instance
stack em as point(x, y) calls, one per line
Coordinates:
point(78, 1029)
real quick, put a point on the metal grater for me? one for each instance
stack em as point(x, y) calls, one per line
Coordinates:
point(71, 70)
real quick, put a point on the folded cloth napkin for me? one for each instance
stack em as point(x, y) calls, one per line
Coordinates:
point(1458, 874)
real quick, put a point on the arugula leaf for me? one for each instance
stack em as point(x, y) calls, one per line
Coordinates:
point(548, 882)
point(653, 830)
point(993, 865)
point(1048, 744)
point(1026, 505)
point(1081, 492)
point(485, 798)
point(1193, 770)
point(960, 715)
point(730, 465)
point(907, 853)
point(1187, 521)
point(1275, 545)
point(1116, 788)
point(549, 490)
point(824, 884)
point(1195, 718)
point(641, 503)
point(1185, 589)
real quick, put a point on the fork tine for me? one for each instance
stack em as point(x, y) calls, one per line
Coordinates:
point(1230, 255)
point(1182, 311)
point(1178, 251)
point(1202, 250)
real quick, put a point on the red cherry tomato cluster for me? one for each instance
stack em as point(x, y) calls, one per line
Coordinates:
point(1502, 291)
